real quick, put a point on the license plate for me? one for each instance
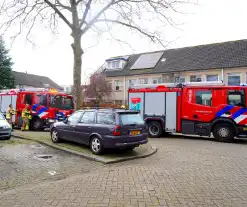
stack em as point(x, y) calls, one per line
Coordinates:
point(133, 133)
point(245, 129)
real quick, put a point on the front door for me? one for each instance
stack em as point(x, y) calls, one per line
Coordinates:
point(198, 112)
point(84, 127)
point(67, 131)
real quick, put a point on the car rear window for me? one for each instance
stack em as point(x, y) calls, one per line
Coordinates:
point(130, 118)
point(105, 118)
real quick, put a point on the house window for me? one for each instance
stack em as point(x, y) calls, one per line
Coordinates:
point(234, 79)
point(143, 81)
point(195, 78)
point(157, 80)
point(114, 64)
point(179, 79)
point(118, 85)
point(204, 98)
point(212, 78)
point(132, 82)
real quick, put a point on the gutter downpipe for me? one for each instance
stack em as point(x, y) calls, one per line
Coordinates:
point(222, 75)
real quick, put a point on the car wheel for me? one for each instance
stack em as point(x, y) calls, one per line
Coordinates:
point(154, 129)
point(96, 146)
point(37, 124)
point(223, 133)
point(54, 136)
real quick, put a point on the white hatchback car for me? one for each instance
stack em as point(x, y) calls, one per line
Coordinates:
point(5, 129)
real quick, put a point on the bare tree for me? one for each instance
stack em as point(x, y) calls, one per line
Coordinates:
point(82, 15)
point(98, 87)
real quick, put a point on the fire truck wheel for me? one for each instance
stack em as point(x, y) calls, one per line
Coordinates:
point(154, 129)
point(223, 133)
point(37, 124)
point(54, 136)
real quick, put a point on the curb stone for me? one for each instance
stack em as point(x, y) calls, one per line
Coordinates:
point(92, 157)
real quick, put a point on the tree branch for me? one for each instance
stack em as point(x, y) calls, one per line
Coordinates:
point(63, 6)
point(85, 12)
point(98, 15)
point(59, 13)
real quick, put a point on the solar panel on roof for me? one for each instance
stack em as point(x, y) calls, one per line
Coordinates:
point(147, 60)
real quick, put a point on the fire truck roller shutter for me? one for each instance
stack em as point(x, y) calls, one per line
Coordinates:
point(154, 113)
point(171, 112)
point(6, 100)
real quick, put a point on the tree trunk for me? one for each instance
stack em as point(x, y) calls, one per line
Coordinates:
point(77, 51)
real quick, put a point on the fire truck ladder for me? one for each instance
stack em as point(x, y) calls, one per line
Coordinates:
point(179, 85)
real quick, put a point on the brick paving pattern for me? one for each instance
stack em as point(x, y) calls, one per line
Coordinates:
point(184, 172)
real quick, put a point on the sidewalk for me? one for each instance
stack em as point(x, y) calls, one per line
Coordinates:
point(83, 151)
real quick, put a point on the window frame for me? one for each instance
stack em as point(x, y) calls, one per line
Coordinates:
point(201, 91)
point(114, 118)
point(242, 95)
point(112, 64)
point(25, 98)
point(234, 74)
point(84, 114)
point(196, 78)
point(212, 75)
point(143, 80)
point(131, 84)
point(118, 85)
point(179, 79)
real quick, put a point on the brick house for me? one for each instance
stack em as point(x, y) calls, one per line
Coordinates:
point(226, 61)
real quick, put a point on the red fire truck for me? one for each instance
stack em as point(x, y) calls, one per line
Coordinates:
point(192, 109)
point(47, 105)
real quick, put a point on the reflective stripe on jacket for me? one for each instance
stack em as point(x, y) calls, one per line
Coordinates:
point(26, 113)
point(10, 113)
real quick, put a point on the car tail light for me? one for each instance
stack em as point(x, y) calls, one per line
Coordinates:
point(116, 131)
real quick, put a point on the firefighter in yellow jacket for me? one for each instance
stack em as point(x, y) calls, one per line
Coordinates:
point(10, 113)
point(26, 117)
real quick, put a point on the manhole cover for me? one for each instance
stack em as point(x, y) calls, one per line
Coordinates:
point(44, 157)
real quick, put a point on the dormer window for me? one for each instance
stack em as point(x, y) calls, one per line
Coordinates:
point(115, 64)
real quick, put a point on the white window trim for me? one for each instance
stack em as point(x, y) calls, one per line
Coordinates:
point(212, 74)
point(110, 64)
point(234, 74)
point(120, 85)
point(200, 75)
point(143, 79)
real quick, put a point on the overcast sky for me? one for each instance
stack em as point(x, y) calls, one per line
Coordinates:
point(208, 22)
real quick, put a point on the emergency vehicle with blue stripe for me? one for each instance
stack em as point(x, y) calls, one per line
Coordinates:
point(47, 105)
point(203, 108)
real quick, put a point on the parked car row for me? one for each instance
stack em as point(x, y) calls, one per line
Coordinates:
point(102, 129)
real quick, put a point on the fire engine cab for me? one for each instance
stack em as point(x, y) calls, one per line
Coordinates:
point(192, 109)
point(47, 105)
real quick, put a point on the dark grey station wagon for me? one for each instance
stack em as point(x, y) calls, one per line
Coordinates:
point(102, 128)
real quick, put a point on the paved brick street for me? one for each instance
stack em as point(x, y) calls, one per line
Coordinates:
point(184, 172)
